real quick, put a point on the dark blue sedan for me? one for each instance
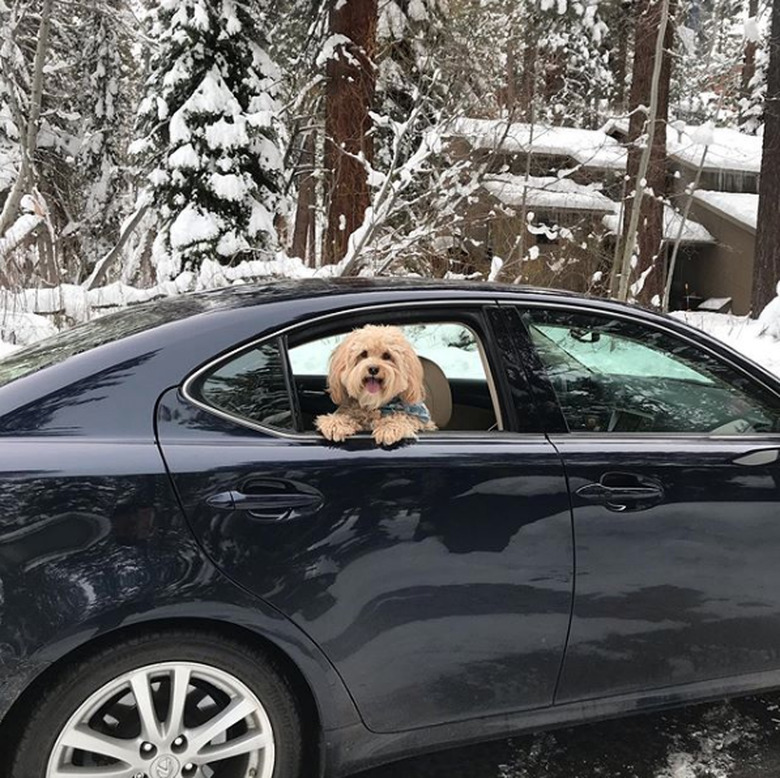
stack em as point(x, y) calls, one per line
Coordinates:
point(193, 582)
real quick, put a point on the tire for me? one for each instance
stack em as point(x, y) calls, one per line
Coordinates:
point(118, 710)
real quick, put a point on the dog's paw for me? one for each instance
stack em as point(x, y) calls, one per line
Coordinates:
point(335, 428)
point(390, 435)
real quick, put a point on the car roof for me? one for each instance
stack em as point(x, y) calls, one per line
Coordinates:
point(287, 289)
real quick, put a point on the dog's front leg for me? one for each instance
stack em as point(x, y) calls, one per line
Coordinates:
point(337, 426)
point(394, 427)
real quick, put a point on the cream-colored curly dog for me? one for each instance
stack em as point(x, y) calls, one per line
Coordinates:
point(376, 379)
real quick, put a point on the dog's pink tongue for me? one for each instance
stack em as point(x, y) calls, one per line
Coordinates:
point(373, 386)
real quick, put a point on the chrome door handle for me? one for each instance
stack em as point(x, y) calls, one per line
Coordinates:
point(269, 500)
point(237, 501)
point(622, 495)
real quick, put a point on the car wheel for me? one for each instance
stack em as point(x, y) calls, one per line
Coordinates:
point(168, 705)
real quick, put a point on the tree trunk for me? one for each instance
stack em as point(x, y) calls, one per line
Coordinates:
point(511, 75)
point(620, 60)
point(648, 178)
point(528, 78)
point(304, 212)
point(766, 268)
point(349, 98)
point(22, 182)
point(749, 61)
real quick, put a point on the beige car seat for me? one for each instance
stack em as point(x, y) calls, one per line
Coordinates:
point(438, 395)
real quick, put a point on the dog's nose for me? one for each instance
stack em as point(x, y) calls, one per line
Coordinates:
point(373, 370)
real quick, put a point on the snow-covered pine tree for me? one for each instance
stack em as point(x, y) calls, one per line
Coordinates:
point(409, 34)
point(105, 67)
point(209, 133)
point(572, 47)
point(751, 104)
point(706, 85)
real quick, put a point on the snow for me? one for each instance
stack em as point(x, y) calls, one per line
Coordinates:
point(6, 349)
point(746, 335)
point(229, 186)
point(335, 45)
point(693, 232)
point(608, 157)
point(19, 328)
point(770, 316)
point(752, 32)
point(192, 226)
point(520, 137)
point(741, 207)
point(184, 157)
point(727, 149)
point(547, 192)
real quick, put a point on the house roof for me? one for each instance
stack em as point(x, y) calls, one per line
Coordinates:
point(521, 138)
point(727, 150)
point(547, 192)
point(692, 231)
point(563, 194)
point(738, 207)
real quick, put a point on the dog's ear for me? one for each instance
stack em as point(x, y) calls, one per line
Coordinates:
point(336, 370)
point(412, 367)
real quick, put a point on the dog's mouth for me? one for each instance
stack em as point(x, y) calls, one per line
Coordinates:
point(372, 385)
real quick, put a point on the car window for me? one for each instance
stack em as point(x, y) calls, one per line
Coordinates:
point(250, 386)
point(616, 376)
point(450, 349)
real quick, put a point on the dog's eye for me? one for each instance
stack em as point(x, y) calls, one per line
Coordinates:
point(363, 355)
point(387, 355)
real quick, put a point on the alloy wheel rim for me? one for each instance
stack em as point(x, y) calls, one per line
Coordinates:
point(167, 720)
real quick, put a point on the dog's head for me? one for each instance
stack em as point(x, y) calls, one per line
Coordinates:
point(373, 365)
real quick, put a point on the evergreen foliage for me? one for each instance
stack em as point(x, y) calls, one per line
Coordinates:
point(209, 137)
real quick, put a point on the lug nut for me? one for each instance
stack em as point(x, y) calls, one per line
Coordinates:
point(148, 750)
point(188, 770)
point(179, 744)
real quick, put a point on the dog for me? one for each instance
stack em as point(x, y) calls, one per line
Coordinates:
point(376, 379)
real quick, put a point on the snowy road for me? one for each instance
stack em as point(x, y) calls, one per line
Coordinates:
point(740, 739)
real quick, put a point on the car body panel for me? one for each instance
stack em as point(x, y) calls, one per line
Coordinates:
point(436, 577)
point(664, 597)
point(92, 541)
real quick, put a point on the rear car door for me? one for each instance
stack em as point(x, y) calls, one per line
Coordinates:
point(436, 576)
point(671, 452)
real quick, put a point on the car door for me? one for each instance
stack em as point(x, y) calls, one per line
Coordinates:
point(436, 575)
point(671, 452)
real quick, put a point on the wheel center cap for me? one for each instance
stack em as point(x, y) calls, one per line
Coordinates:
point(165, 766)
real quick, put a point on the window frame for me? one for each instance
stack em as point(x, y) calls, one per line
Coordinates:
point(555, 420)
point(473, 314)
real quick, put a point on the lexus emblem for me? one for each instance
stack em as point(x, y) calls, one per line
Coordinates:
point(164, 767)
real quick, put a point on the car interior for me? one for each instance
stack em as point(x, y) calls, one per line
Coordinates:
point(677, 394)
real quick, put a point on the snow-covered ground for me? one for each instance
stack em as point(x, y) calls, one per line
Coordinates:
point(746, 335)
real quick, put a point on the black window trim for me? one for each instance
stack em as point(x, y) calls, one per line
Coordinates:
point(520, 306)
point(476, 305)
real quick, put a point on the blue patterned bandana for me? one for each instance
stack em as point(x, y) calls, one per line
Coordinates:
point(397, 405)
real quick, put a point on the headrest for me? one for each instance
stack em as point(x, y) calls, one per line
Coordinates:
point(438, 395)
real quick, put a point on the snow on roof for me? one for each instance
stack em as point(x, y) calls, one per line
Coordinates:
point(547, 192)
point(610, 156)
point(693, 232)
point(519, 137)
point(741, 207)
point(727, 150)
